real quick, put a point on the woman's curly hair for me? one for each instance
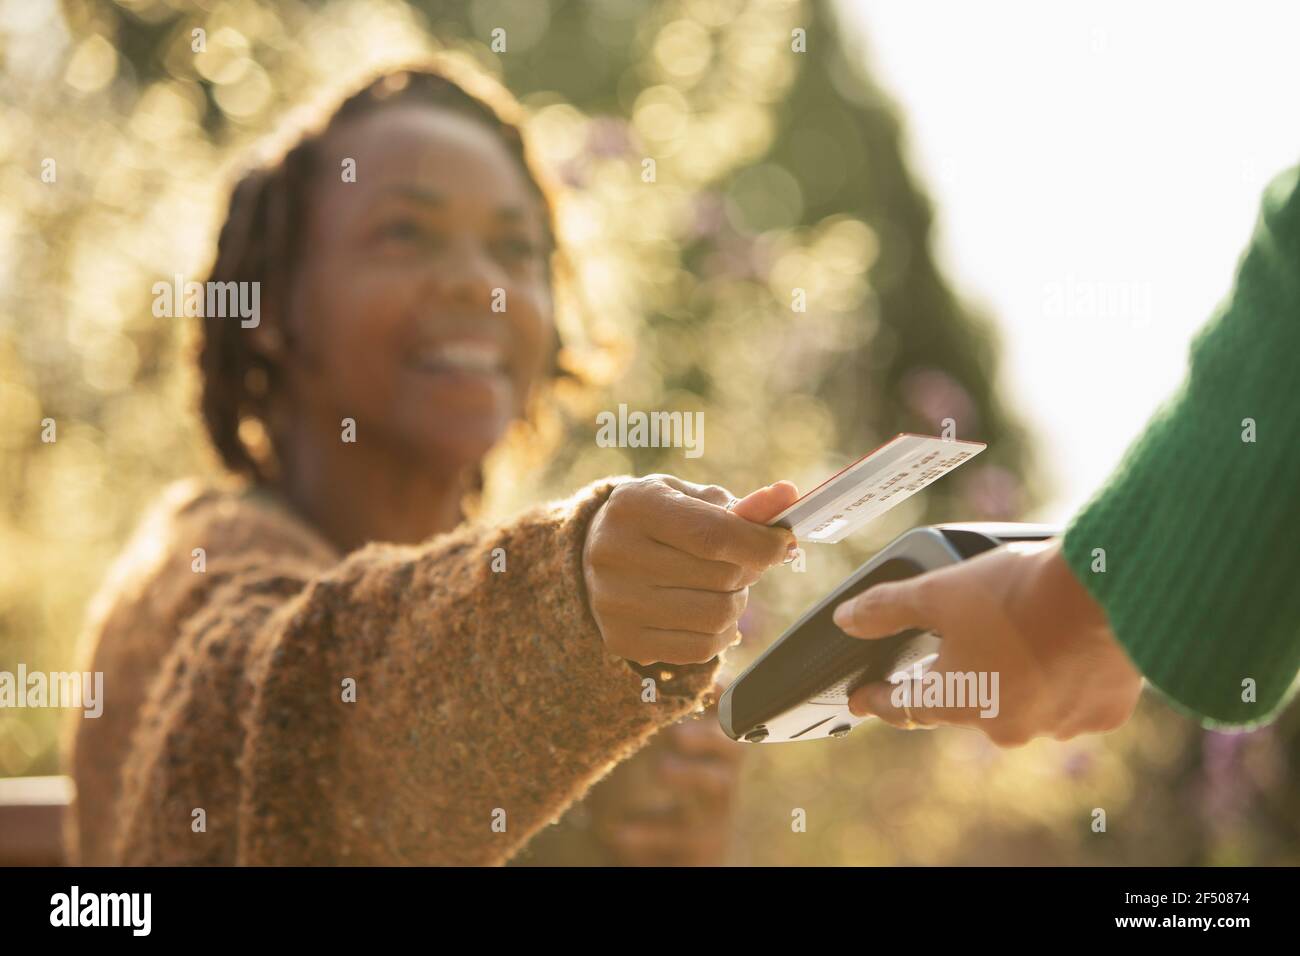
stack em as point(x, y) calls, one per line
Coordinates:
point(261, 241)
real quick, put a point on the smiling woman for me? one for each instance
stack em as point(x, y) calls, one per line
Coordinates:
point(354, 674)
point(413, 295)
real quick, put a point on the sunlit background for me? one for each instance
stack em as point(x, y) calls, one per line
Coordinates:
point(1096, 170)
point(1092, 177)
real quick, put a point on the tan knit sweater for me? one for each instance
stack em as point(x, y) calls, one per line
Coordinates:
point(485, 700)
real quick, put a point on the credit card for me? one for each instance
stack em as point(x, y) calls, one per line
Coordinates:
point(872, 485)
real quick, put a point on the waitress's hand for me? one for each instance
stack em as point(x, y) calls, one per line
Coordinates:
point(1017, 612)
point(668, 567)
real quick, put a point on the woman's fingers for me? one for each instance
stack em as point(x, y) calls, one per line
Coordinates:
point(685, 609)
point(759, 506)
point(665, 567)
point(653, 645)
point(763, 505)
point(713, 494)
point(703, 529)
point(668, 567)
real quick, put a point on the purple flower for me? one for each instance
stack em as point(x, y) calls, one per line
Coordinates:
point(935, 395)
point(710, 216)
point(1226, 787)
point(608, 137)
point(1077, 764)
point(993, 492)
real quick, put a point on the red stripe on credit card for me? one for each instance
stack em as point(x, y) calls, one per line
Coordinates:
point(872, 485)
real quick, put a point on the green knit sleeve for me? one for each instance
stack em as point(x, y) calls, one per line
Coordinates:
point(1193, 546)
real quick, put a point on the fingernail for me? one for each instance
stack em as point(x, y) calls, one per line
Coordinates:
point(791, 552)
point(843, 614)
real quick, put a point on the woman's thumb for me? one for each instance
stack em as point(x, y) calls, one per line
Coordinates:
point(763, 505)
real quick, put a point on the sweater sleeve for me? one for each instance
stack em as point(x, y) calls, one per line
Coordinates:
point(413, 705)
point(1198, 530)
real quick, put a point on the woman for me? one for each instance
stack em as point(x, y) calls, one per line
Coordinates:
point(323, 663)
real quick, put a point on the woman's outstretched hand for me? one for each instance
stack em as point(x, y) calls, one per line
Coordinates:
point(1017, 612)
point(668, 566)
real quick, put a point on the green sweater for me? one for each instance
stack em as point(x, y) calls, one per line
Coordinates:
point(1200, 526)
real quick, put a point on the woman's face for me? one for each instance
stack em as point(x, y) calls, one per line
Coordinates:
point(421, 303)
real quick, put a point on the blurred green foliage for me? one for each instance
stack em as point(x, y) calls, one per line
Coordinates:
point(774, 171)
